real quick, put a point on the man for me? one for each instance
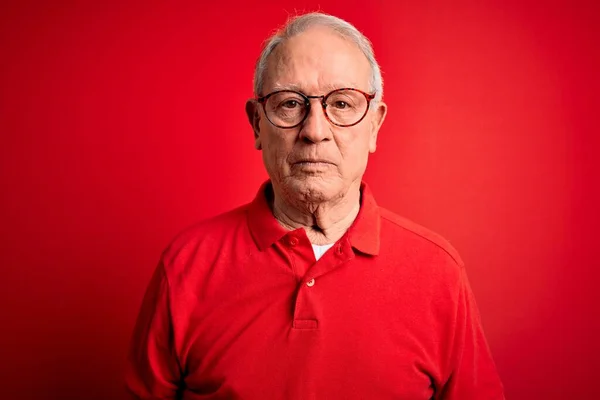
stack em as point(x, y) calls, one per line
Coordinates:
point(312, 291)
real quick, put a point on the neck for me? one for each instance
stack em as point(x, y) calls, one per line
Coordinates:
point(324, 222)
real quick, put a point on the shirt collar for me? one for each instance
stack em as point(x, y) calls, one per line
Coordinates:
point(363, 233)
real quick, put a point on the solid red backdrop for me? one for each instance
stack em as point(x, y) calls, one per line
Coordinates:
point(121, 124)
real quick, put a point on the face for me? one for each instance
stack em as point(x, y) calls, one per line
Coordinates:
point(316, 161)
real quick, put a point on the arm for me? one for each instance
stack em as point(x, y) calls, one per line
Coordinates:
point(473, 374)
point(153, 371)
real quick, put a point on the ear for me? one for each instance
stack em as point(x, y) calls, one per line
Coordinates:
point(253, 114)
point(376, 120)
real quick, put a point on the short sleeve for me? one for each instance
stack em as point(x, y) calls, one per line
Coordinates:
point(152, 370)
point(473, 373)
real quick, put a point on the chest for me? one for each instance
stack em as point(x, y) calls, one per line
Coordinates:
point(349, 333)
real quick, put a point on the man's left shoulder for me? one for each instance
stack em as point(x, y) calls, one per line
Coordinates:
point(411, 231)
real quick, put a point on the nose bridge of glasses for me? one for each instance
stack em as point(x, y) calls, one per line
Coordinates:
point(315, 120)
point(321, 99)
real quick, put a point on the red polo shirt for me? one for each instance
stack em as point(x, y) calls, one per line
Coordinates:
point(238, 308)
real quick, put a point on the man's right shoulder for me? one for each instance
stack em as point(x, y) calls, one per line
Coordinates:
point(208, 237)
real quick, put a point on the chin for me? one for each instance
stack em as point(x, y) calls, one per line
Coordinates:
point(313, 189)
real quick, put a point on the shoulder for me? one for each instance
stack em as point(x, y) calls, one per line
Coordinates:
point(402, 228)
point(205, 239)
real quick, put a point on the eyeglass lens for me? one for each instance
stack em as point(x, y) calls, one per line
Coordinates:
point(343, 107)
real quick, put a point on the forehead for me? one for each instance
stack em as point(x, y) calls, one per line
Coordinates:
point(316, 61)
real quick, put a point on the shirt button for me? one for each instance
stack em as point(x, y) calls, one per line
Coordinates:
point(293, 241)
point(340, 250)
point(310, 283)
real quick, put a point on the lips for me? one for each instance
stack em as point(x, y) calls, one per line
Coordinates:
point(312, 161)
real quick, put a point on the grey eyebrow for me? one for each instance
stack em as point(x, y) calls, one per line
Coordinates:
point(297, 88)
point(293, 87)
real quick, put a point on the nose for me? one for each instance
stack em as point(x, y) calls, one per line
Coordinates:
point(316, 127)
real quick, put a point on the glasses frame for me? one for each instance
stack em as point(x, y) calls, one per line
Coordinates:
point(263, 100)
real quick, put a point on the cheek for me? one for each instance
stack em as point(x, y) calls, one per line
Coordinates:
point(276, 146)
point(354, 147)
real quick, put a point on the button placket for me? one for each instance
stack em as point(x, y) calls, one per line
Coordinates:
point(340, 254)
point(305, 317)
point(306, 309)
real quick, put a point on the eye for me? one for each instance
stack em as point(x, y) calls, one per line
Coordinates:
point(340, 105)
point(290, 103)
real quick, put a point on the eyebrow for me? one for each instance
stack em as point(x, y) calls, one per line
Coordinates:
point(297, 88)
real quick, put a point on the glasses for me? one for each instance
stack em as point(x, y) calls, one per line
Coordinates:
point(342, 107)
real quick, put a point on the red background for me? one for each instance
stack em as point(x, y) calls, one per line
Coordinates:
point(122, 124)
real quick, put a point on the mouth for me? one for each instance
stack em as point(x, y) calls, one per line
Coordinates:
point(312, 162)
point(312, 167)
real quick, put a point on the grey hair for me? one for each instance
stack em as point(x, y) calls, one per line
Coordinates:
point(301, 23)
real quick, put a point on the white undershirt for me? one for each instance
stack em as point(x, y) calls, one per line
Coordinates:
point(321, 249)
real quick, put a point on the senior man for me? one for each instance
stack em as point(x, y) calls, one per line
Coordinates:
point(312, 291)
